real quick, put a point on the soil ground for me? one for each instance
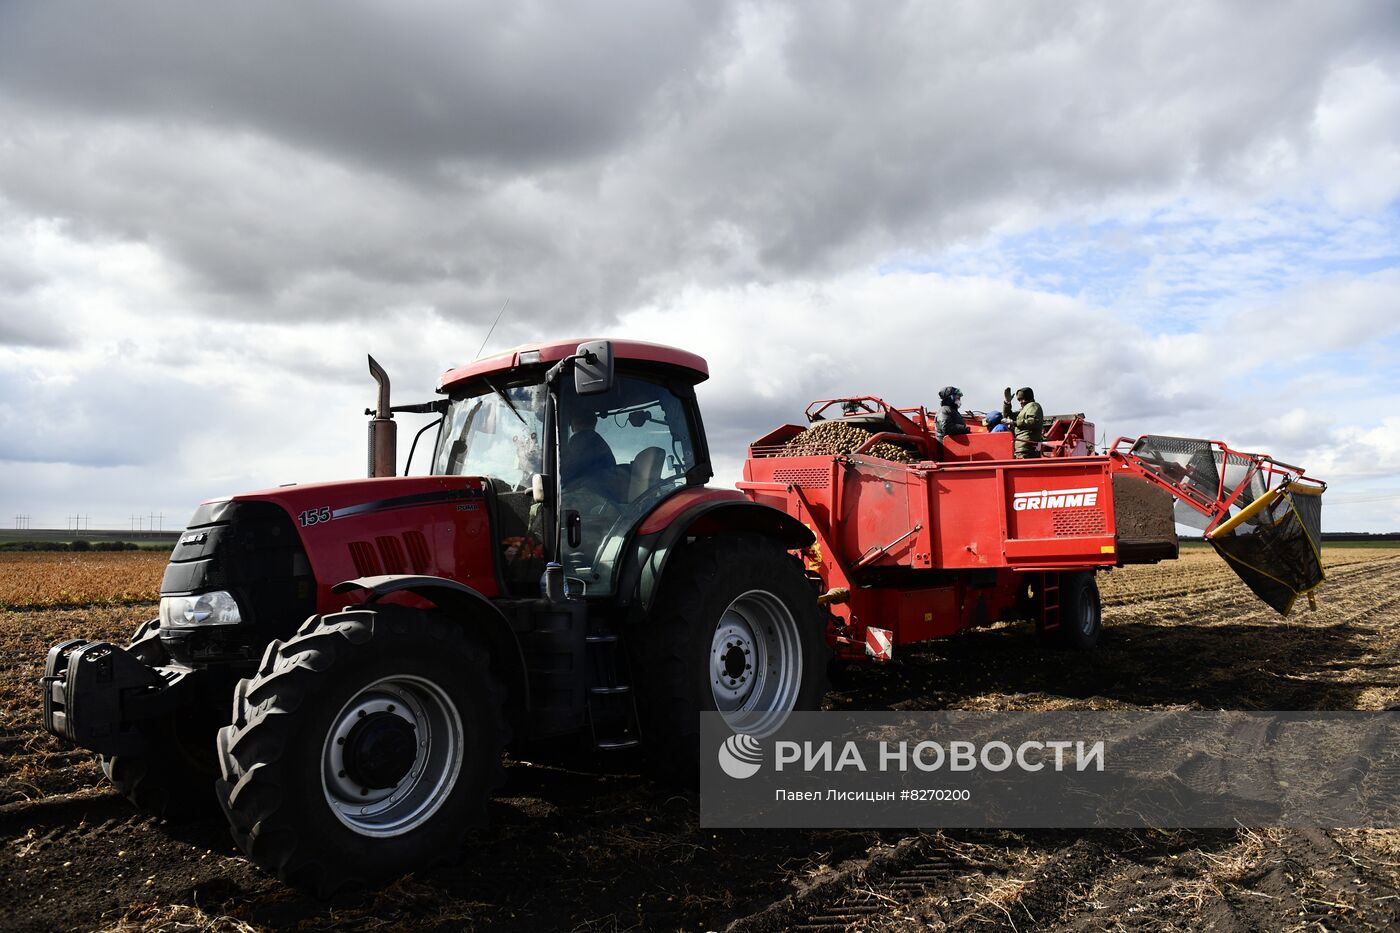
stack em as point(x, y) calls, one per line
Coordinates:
point(579, 844)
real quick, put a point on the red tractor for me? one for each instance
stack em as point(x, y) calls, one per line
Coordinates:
point(563, 569)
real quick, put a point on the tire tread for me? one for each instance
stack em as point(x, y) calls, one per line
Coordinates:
point(263, 821)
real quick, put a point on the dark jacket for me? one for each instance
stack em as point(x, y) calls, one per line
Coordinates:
point(949, 420)
point(587, 457)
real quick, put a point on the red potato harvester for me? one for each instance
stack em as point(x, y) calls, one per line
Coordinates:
point(966, 535)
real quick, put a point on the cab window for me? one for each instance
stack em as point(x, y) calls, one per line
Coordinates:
point(495, 433)
point(620, 454)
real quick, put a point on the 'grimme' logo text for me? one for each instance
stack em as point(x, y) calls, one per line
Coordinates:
point(1055, 499)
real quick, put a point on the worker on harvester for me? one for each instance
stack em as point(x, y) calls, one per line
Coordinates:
point(949, 419)
point(1026, 424)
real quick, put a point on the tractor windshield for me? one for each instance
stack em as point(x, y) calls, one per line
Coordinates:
point(495, 433)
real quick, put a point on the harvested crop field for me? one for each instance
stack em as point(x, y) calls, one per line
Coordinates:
point(579, 845)
point(54, 580)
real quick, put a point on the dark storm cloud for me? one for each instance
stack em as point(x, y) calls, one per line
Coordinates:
point(935, 121)
point(402, 85)
point(330, 160)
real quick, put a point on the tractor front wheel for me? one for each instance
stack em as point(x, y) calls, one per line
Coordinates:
point(737, 630)
point(362, 749)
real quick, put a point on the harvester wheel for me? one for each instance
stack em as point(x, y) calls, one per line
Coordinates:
point(364, 747)
point(1081, 618)
point(737, 630)
point(175, 778)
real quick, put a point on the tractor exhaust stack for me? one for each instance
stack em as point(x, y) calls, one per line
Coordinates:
point(383, 431)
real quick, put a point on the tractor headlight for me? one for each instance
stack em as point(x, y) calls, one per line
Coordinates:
point(216, 608)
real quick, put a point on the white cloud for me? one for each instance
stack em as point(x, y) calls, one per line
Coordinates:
point(1358, 153)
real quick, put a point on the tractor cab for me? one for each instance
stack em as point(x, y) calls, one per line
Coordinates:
point(575, 457)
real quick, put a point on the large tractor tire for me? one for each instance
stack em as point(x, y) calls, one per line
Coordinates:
point(363, 748)
point(175, 777)
point(737, 630)
point(1081, 617)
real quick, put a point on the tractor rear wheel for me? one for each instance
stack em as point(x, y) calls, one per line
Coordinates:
point(174, 778)
point(363, 748)
point(1081, 616)
point(736, 630)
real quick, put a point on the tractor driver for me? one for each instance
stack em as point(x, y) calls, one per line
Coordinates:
point(587, 457)
point(1026, 424)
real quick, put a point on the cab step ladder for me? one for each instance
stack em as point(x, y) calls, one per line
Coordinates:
point(612, 704)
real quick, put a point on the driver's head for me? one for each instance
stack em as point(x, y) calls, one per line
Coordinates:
point(582, 421)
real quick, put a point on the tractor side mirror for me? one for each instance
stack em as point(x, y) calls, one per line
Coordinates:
point(537, 487)
point(593, 368)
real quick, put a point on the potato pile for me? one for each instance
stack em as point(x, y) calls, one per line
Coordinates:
point(887, 451)
point(830, 438)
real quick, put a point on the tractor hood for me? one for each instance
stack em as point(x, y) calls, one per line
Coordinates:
point(321, 534)
point(313, 504)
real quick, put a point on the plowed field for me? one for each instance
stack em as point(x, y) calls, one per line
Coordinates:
point(578, 844)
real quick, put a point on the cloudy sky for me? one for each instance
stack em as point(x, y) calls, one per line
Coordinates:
point(1178, 217)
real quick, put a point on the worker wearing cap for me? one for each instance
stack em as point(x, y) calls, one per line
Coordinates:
point(949, 419)
point(1026, 424)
